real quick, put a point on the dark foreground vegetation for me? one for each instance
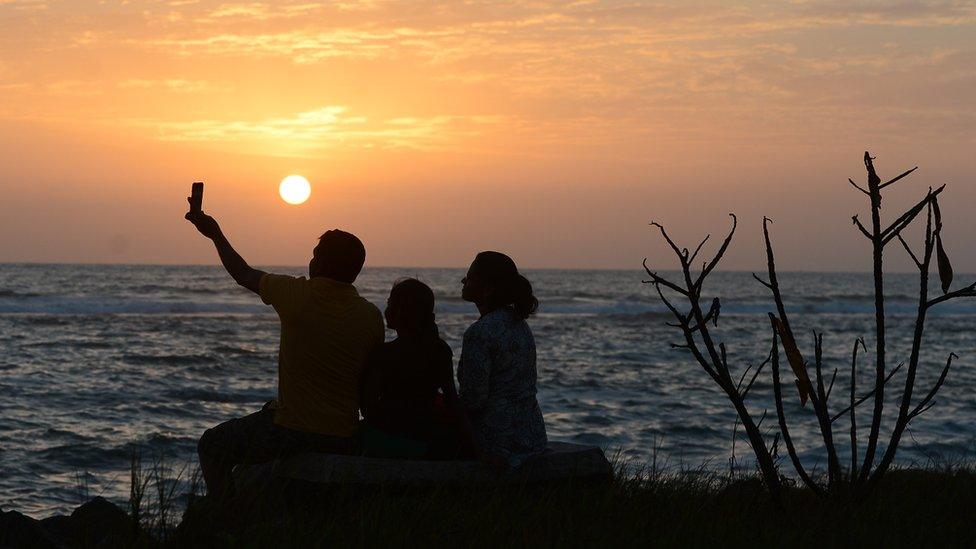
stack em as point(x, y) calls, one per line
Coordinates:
point(911, 508)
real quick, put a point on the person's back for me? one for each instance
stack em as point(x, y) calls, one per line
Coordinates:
point(408, 375)
point(497, 374)
point(327, 331)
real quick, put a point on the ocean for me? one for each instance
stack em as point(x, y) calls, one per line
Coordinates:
point(100, 360)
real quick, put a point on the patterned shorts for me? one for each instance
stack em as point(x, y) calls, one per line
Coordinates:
point(255, 438)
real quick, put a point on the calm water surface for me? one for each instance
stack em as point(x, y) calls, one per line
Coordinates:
point(98, 360)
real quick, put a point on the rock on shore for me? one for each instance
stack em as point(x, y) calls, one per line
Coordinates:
point(96, 523)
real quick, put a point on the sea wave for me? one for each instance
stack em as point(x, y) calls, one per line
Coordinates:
point(59, 305)
point(15, 293)
point(108, 305)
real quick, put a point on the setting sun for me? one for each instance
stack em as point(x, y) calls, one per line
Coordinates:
point(294, 189)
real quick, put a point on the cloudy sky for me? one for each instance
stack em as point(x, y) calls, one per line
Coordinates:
point(552, 130)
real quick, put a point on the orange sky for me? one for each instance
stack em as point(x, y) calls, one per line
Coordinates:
point(551, 130)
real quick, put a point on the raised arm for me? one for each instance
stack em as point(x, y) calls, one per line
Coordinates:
point(237, 268)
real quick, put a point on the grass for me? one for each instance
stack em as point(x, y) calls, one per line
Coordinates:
point(912, 507)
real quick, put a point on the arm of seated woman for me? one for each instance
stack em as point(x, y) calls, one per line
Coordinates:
point(474, 370)
point(445, 378)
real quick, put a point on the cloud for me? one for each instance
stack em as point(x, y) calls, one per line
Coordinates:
point(300, 47)
point(578, 71)
point(175, 85)
point(25, 5)
point(310, 132)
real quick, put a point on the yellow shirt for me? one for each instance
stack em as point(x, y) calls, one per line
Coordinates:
point(327, 330)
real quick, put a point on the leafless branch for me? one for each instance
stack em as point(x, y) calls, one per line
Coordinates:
point(909, 250)
point(698, 249)
point(860, 227)
point(781, 415)
point(661, 280)
point(677, 251)
point(861, 400)
point(853, 405)
point(762, 418)
point(711, 354)
point(711, 315)
point(968, 291)
point(935, 389)
point(833, 378)
point(818, 364)
point(718, 255)
point(761, 281)
point(906, 218)
point(895, 179)
point(674, 310)
point(858, 187)
point(754, 376)
point(923, 410)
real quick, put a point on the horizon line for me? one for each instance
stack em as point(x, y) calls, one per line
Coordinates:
point(637, 268)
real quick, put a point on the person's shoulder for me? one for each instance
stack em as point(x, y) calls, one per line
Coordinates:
point(369, 312)
point(280, 289)
point(496, 318)
point(369, 308)
point(476, 328)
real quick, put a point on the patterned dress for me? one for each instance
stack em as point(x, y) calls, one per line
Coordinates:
point(497, 387)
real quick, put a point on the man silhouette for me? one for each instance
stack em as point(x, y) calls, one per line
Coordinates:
point(327, 331)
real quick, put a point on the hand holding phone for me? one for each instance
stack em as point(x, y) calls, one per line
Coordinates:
point(204, 223)
point(196, 197)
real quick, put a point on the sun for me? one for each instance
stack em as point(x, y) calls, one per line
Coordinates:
point(294, 189)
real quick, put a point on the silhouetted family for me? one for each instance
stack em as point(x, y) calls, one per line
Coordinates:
point(342, 389)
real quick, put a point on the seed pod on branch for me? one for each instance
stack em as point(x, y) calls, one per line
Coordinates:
point(945, 267)
point(796, 360)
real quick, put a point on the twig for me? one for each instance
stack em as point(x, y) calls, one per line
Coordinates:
point(867, 396)
point(909, 250)
point(833, 378)
point(661, 280)
point(935, 389)
point(690, 341)
point(968, 291)
point(698, 249)
point(906, 218)
point(858, 187)
point(763, 282)
point(718, 255)
point(895, 179)
point(852, 406)
point(860, 227)
point(754, 377)
point(781, 415)
point(818, 364)
point(677, 251)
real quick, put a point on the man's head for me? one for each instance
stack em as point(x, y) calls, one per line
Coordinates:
point(339, 256)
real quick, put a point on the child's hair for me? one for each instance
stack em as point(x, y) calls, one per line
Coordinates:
point(414, 302)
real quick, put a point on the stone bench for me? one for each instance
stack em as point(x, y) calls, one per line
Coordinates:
point(561, 461)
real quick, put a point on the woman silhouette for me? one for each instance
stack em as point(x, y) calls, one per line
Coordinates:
point(497, 370)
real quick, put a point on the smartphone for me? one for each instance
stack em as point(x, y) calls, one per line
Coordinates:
point(196, 197)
